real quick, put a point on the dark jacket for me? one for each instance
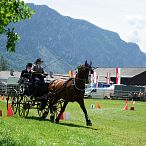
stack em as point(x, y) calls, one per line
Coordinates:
point(26, 74)
point(38, 73)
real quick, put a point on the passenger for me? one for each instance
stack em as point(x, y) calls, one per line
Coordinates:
point(26, 74)
point(26, 79)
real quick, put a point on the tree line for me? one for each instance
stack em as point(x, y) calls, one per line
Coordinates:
point(4, 64)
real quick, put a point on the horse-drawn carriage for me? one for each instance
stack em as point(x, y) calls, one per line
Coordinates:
point(32, 96)
point(53, 97)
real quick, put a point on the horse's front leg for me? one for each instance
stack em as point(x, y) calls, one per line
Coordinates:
point(51, 103)
point(82, 105)
point(51, 114)
point(61, 112)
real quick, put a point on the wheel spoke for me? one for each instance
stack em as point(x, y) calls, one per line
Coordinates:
point(24, 106)
point(42, 113)
point(57, 108)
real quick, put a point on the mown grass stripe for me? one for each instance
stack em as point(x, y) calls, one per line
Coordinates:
point(112, 126)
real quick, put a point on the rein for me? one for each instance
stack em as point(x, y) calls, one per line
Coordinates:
point(74, 83)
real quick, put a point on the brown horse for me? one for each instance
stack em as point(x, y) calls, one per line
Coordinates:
point(70, 90)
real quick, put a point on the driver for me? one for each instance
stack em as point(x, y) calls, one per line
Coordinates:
point(38, 71)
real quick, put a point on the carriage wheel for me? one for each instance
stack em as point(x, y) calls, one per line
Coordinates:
point(13, 100)
point(24, 106)
point(57, 108)
point(42, 113)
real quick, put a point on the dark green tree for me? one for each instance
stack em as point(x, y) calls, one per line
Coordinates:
point(12, 11)
point(4, 65)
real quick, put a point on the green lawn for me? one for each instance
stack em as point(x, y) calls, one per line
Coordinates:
point(112, 126)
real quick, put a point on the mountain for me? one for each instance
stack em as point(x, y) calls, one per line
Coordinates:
point(63, 43)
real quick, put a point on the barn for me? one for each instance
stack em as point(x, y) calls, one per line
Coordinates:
point(128, 76)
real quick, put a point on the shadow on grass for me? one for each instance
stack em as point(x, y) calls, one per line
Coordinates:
point(78, 126)
point(64, 124)
point(37, 118)
point(8, 142)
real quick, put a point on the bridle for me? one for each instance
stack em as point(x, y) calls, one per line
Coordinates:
point(84, 79)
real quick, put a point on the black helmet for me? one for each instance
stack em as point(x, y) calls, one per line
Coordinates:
point(38, 60)
point(29, 65)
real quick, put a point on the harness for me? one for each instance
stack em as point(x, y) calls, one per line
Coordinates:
point(74, 83)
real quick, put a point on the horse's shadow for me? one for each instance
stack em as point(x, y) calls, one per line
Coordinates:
point(61, 123)
point(75, 125)
point(37, 118)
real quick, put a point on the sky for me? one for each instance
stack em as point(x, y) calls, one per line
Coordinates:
point(126, 17)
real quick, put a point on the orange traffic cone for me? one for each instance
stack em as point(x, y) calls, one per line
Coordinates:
point(126, 107)
point(2, 98)
point(10, 111)
point(98, 105)
point(0, 113)
point(126, 101)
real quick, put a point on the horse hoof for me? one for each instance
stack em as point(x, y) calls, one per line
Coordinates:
point(52, 118)
point(57, 121)
point(89, 124)
point(45, 114)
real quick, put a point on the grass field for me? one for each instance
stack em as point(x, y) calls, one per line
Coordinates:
point(112, 126)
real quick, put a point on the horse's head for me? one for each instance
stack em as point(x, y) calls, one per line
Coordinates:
point(84, 71)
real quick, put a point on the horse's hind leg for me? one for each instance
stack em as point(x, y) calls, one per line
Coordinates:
point(61, 112)
point(82, 105)
point(51, 114)
point(51, 103)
